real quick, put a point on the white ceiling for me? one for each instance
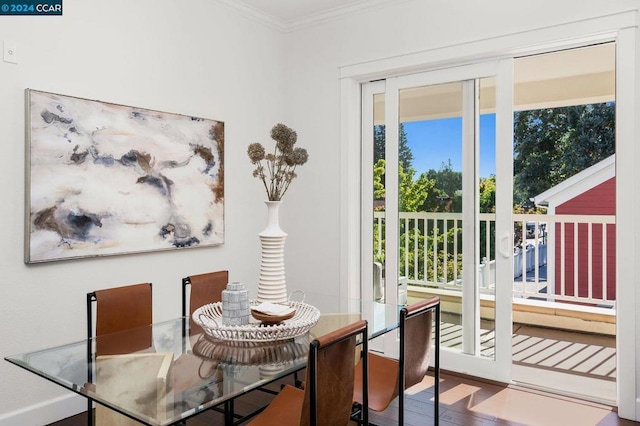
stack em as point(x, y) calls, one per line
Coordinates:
point(291, 11)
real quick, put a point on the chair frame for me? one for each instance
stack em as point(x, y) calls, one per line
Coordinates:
point(404, 316)
point(314, 349)
point(228, 409)
point(359, 411)
point(91, 297)
point(185, 282)
point(230, 417)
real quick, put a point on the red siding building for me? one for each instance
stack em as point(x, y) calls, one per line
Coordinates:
point(584, 251)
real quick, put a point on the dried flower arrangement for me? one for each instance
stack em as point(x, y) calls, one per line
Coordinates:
point(279, 167)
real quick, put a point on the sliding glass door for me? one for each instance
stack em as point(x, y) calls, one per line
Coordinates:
point(436, 199)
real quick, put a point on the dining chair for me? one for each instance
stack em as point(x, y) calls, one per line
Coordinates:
point(118, 309)
point(327, 396)
point(387, 376)
point(199, 290)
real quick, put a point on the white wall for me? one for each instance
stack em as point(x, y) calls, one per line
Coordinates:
point(194, 58)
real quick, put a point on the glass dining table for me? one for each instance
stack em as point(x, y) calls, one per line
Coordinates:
point(184, 370)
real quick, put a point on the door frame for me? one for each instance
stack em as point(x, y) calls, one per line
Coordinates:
point(621, 27)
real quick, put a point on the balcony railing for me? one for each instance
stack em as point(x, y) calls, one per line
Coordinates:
point(558, 258)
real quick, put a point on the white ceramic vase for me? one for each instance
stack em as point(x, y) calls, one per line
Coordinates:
point(272, 285)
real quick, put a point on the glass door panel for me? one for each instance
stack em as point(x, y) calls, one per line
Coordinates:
point(564, 200)
point(430, 175)
point(379, 156)
point(429, 183)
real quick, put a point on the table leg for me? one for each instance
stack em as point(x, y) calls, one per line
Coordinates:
point(228, 413)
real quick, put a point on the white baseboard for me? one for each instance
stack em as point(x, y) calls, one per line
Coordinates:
point(45, 412)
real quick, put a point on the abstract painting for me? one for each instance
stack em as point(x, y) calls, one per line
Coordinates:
point(107, 179)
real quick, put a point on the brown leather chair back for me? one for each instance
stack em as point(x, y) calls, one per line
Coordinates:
point(205, 288)
point(332, 375)
point(416, 325)
point(123, 308)
point(418, 341)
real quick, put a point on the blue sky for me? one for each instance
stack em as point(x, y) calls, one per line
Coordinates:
point(434, 142)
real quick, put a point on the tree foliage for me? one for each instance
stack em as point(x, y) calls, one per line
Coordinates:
point(488, 194)
point(412, 192)
point(414, 239)
point(405, 156)
point(446, 195)
point(553, 144)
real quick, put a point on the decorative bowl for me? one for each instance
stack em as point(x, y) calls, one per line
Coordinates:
point(271, 319)
point(209, 317)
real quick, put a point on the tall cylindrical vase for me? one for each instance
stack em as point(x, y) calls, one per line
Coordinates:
point(272, 285)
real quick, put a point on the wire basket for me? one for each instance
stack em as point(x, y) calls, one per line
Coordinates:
point(209, 317)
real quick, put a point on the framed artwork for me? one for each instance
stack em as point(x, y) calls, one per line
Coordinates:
point(106, 179)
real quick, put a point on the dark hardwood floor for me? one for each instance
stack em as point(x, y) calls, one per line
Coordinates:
point(464, 401)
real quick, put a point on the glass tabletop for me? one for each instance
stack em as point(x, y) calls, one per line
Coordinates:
point(173, 370)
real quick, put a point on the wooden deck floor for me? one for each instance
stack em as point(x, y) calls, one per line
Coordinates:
point(576, 364)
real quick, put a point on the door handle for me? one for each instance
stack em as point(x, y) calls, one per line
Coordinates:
point(504, 246)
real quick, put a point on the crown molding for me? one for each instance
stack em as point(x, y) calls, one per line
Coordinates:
point(308, 21)
point(254, 14)
point(337, 13)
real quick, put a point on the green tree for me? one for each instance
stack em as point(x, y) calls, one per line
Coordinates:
point(405, 156)
point(487, 205)
point(446, 196)
point(553, 144)
point(488, 194)
point(414, 239)
point(412, 193)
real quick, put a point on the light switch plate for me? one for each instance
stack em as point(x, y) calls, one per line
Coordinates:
point(10, 53)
